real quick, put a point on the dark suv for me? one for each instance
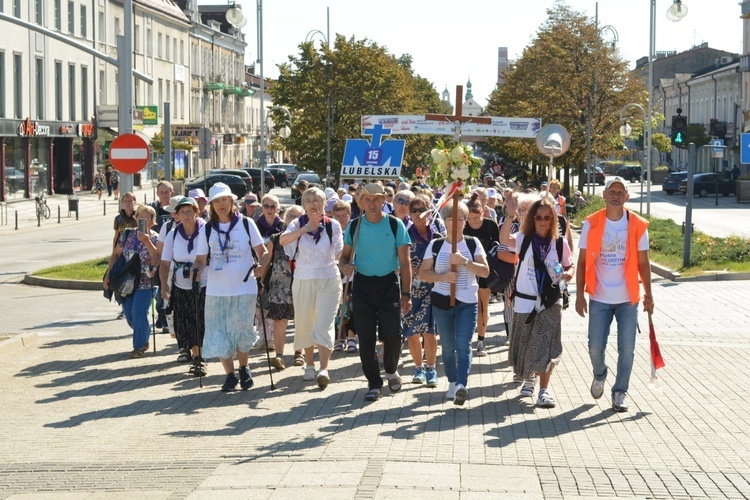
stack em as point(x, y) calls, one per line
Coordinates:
point(631, 172)
point(255, 174)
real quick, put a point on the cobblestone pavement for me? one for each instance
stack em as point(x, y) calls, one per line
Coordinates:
point(81, 420)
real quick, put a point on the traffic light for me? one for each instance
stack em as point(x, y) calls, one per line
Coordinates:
point(679, 131)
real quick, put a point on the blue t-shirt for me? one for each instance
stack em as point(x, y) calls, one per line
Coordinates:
point(376, 253)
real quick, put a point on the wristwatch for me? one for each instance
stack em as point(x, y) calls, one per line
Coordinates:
point(466, 262)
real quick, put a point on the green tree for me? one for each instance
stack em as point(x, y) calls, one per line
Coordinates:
point(357, 77)
point(554, 80)
point(661, 142)
point(157, 144)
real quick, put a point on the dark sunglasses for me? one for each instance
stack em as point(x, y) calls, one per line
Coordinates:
point(545, 218)
point(402, 201)
point(418, 210)
point(269, 206)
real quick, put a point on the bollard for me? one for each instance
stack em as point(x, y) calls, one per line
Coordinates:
point(104, 202)
point(38, 217)
point(153, 197)
point(16, 219)
point(144, 199)
point(58, 214)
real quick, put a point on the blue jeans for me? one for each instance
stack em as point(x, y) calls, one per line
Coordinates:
point(455, 328)
point(135, 308)
point(600, 319)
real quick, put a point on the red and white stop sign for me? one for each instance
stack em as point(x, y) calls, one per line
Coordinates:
point(129, 153)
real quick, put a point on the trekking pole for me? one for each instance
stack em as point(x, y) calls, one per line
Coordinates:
point(265, 334)
point(197, 296)
point(153, 324)
point(345, 305)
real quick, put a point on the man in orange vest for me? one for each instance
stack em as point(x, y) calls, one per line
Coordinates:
point(613, 255)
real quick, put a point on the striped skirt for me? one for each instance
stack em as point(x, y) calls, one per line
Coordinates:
point(189, 324)
point(537, 345)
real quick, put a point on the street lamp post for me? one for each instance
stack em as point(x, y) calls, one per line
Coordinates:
point(675, 13)
point(327, 39)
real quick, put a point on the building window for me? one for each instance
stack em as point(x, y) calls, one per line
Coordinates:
point(102, 88)
point(167, 47)
point(158, 46)
point(17, 8)
point(2, 84)
point(182, 51)
point(72, 91)
point(161, 94)
point(58, 15)
point(58, 92)
point(71, 18)
point(182, 100)
point(38, 10)
point(102, 33)
point(149, 43)
point(174, 49)
point(17, 85)
point(150, 95)
point(84, 93)
point(169, 91)
point(176, 104)
point(84, 22)
point(117, 29)
point(137, 37)
point(39, 77)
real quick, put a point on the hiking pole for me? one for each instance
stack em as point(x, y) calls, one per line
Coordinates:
point(197, 296)
point(265, 333)
point(153, 324)
point(345, 296)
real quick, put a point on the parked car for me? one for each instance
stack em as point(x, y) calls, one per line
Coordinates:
point(598, 176)
point(14, 179)
point(671, 183)
point(281, 178)
point(235, 171)
point(311, 177)
point(289, 168)
point(255, 174)
point(632, 173)
point(706, 183)
point(206, 181)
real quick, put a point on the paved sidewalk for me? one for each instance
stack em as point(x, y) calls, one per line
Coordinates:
point(80, 420)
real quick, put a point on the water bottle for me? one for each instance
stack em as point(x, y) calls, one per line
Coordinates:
point(559, 279)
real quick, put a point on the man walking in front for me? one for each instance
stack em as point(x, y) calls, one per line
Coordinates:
point(614, 253)
point(382, 247)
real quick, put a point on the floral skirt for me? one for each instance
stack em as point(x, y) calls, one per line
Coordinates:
point(229, 326)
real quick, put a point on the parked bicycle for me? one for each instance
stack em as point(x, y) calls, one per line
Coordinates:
point(42, 209)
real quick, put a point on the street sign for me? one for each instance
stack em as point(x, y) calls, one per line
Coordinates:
point(129, 153)
point(745, 148)
point(717, 152)
point(379, 158)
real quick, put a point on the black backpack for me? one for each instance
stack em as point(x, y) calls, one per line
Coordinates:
point(501, 272)
point(471, 242)
point(550, 292)
point(247, 230)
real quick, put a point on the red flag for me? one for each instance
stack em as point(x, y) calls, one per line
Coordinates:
point(656, 360)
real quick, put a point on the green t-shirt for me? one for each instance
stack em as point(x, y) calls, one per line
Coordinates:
point(376, 253)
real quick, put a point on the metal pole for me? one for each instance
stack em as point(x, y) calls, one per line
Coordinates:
point(125, 84)
point(651, 43)
point(589, 167)
point(689, 205)
point(328, 110)
point(263, 142)
point(167, 141)
point(716, 180)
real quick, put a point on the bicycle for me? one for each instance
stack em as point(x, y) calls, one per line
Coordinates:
point(42, 209)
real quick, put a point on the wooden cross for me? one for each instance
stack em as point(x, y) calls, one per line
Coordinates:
point(457, 119)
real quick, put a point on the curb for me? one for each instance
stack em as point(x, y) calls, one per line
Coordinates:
point(19, 342)
point(63, 284)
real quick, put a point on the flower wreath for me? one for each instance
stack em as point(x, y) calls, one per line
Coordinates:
point(455, 165)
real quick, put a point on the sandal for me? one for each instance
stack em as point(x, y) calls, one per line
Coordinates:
point(299, 359)
point(394, 384)
point(351, 345)
point(372, 395)
point(184, 356)
point(339, 346)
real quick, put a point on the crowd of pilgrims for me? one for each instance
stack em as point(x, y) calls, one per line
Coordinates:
point(230, 274)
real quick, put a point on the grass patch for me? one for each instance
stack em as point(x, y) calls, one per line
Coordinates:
point(90, 270)
point(707, 253)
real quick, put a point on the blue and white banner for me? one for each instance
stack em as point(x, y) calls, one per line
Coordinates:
point(374, 158)
point(525, 128)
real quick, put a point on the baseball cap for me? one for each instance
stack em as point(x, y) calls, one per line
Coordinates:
point(173, 202)
point(614, 180)
point(373, 188)
point(250, 199)
point(186, 200)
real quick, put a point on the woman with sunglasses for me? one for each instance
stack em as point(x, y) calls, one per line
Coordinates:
point(401, 202)
point(537, 335)
point(269, 223)
point(418, 323)
point(486, 231)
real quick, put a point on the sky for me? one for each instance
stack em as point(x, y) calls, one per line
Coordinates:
point(454, 41)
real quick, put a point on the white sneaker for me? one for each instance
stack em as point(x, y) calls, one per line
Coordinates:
point(545, 400)
point(451, 392)
point(323, 379)
point(480, 349)
point(527, 389)
point(597, 388)
point(619, 401)
point(461, 394)
point(309, 374)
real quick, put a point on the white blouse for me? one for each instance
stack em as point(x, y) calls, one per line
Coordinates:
point(315, 261)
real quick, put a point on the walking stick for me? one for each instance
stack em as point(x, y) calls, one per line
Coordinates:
point(153, 324)
point(265, 333)
point(345, 295)
point(197, 295)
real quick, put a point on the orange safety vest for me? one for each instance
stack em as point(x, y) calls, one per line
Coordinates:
point(636, 227)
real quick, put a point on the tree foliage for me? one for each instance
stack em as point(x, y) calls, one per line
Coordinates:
point(357, 77)
point(554, 80)
point(157, 144)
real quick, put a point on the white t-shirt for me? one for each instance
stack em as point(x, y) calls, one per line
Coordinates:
point(526, 282)
point(610, 265)
point(466, 286)
point(175, 248)
point(228, 268)
point(167, 226)
point(315, 261)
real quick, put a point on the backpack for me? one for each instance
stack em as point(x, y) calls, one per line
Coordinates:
point(550, 292)
point(247, 230)
point(501, 272)
point(125, 274)
point(392, 220)
point(438, 299)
